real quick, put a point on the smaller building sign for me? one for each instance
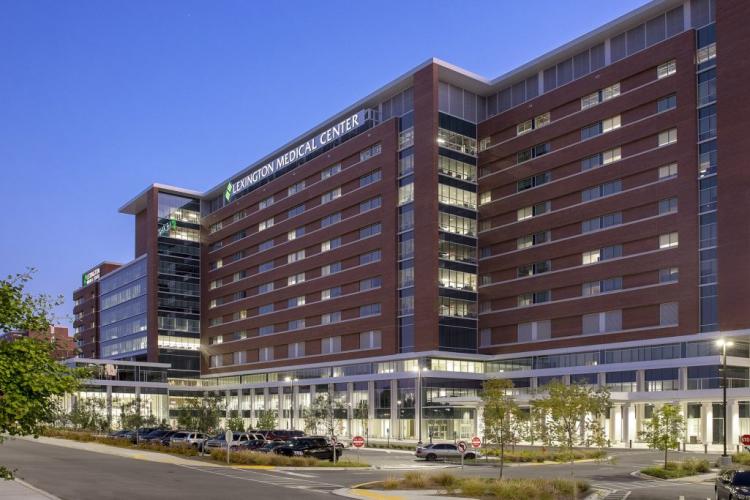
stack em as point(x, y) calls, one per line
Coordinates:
point(167, 226)
point(90, 276)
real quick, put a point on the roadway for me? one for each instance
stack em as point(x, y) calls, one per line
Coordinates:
point(74, 474)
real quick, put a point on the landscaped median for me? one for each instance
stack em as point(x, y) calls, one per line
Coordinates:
point(219, 455)
point(674, 470)
point(507, 489)
point(546, 455)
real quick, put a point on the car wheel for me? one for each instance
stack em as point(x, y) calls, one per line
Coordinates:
point(470, 456)
point(431, 457)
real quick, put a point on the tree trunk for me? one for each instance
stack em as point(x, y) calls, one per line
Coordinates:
point(502, 458)
point(666, 448)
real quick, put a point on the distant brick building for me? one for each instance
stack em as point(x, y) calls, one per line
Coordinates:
point(65, 345)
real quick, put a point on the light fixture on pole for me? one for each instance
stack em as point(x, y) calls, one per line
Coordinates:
point(291, 401)
point(723, 343)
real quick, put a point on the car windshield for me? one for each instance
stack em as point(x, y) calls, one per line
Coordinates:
point(741, 479)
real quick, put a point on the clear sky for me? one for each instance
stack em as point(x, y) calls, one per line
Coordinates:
point(99, 99)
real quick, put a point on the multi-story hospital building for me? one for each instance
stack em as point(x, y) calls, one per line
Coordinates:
point(584, 217)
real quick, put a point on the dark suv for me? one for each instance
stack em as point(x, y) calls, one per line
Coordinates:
point(734, 484)
point(313, 446)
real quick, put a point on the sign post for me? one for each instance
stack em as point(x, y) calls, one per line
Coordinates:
point(476, 442)
point(228, 438)
point(745, 440)
point(461, 445)
point(358, 442)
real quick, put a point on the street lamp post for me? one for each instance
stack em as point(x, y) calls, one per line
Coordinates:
point(398, 418)
point(725, 460)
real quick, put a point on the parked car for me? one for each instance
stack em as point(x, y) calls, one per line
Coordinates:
point(156, 435)
point(271, 446)
point(283, 434)
point(733, 484)
point(251, 445)
point(311, 446)
point(165, 438)
point(118, 434)
point(194, 439)
point(443, 450)
point(220, 440)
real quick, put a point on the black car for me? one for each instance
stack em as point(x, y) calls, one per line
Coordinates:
point(313, 446)
point(733, 484)
point(270, 446)
point(155, 435)
point(282, 434)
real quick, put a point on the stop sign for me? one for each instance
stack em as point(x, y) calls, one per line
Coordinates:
point(476, 442)
point(358, 441)
point(745, 439)
point(461, 445)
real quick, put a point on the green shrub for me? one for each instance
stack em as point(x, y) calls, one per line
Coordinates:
point(444, 480)
point(473, 487)
point(272, 459)
point(742, 458)
point(414, 480)
point(391, 483)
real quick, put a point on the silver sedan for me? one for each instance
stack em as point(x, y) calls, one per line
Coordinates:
point(443, 450)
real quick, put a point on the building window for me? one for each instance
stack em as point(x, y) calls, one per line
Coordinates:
point(295, 233)
point(296, 188)
point(668, 171)
point(330, 171)
point(669, 275)
point(296, 324)
point(370, 152)
point(458, 280)
point(370, 230)
point(331, 317)
point(534, 269)
point(238, 358)
point(330, 219)
point(265, 203)
point(262, 226)
point(329, 269)
point(296, 350)
point(533, 152)
point(533, 181)
point(666, 103)
point(668, 206)
point(293, 212)
point(330, 195)
point(666, 69)
point(532, 211)
point(369, 257)
point(529, 125)
point(370, 204)
point(369, 340)
point(330, 345)
point(265, 287)
point(600, 96)
point(330, 244)
point(265, 309)
point(602, 222)
point(602, 286)
point(265, 354)
point(669, 240)
point(216, 361)
point(368, 179)
point(604, 253)
point(370, 283)
point(295, 301)
point(527, 299)
point(456, 169)
point(266, 245)
point(406, 193)
point(668, 314)
point(295, 256)
point(369, 310)
point(534, 330)
point(266, 266)
point(330, 293)
point(606, 189)
point(532, 239)
point(600, 159)
point(603, 322)
point(705, 54)
point(667, 137)
point(295, 279)
point(451, 195)
point(485, 197)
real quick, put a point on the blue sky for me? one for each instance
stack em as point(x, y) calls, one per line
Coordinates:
point(99, 99)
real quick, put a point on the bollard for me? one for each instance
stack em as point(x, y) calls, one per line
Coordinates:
point(630, 443)
point(684, 446)
point(705, 449)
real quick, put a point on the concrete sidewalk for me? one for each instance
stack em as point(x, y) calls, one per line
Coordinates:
point(21, 490)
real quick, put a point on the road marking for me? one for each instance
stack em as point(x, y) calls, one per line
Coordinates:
point(258, 467)
point(376, 495)
point(295, 473)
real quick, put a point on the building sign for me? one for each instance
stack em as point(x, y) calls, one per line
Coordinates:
point(167, 226)
point(297, 153)
point(90, 276)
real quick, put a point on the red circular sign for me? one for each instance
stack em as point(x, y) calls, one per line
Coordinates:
point(476, 442)
point(358, 441)
point(745, 439)
point(461, 445)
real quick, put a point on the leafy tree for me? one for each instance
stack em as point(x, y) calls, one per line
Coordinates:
point(236, 424)
point(31, 381)
point(569, 410)
point(664, 430)
point(499, 408)
point(89, 414)
point(322, 413)
point(202, 414)
point(266, 419)
point(135, 414)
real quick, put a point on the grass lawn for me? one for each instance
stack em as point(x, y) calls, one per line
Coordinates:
point(674, 470)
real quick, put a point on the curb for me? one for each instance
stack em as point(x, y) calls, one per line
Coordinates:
point(37, 490)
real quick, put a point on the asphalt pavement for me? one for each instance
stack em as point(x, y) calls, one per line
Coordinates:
point(73, 473)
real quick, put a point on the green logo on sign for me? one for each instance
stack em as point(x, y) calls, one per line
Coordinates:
point(228, 192)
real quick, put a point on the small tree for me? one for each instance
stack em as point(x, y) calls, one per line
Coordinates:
point(664, 430)
point(201, 414)
point(31, 381)
point(569, 410)
point(499, 406)
point(88, 414)
point(362, 413)
point(135, 414)
point(236, 424)
point(266, 419)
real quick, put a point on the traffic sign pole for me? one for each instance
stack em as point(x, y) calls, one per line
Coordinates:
point(461, 446)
